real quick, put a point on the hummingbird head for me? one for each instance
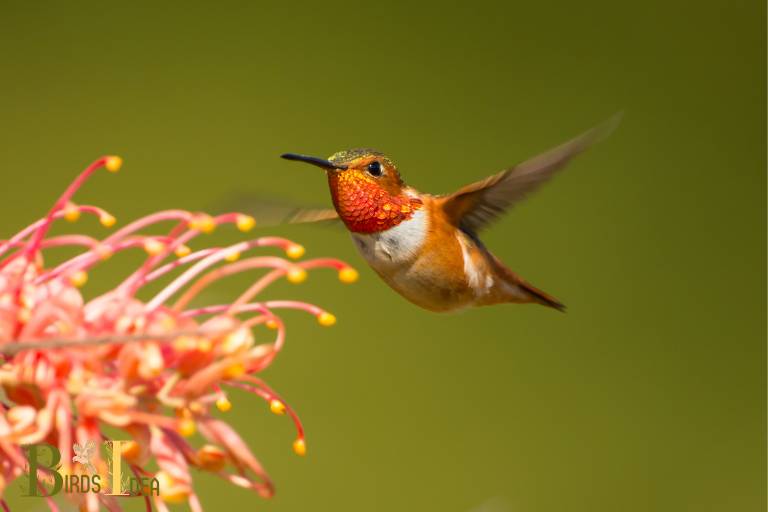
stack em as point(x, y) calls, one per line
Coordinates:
point(366, 189)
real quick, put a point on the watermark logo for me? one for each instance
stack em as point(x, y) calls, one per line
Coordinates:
point(47, 476)
point(83, 455)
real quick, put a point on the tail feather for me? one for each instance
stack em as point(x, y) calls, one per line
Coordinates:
point(540, 296)
point(523, 289)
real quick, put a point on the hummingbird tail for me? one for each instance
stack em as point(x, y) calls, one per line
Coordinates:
point(540, 296)
point(519, 290)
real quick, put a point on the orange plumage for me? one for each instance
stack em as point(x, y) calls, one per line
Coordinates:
point(427, 247)
point(366, 207)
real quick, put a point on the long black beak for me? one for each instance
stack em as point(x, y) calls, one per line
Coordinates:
point(319, 162)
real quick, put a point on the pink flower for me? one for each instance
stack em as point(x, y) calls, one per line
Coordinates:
point(155, 369)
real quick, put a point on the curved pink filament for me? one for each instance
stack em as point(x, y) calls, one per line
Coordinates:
point(255, 306)
point(273, 276)
point(60, 203)
point(147, 221)
point(261, 389)
point(5, 245)
point(65, 241)
point(283, 266)
point(87, 259)
point(197, 255)
point(208, 261)
point(179, 236)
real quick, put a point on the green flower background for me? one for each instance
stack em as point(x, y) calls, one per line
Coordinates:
point(648, 395)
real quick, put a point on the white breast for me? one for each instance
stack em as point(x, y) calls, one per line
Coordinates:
point(397, 245)
point(478, 277)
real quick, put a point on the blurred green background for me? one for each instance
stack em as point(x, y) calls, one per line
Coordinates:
point(647, 395)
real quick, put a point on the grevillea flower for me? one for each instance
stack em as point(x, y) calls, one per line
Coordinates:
point(154, 369)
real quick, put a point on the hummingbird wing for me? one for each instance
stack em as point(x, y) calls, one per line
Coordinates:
point(304, 215)
point(274, 216)
point(273, 212)
point(476, 205)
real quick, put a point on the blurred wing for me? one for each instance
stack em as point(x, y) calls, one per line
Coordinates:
point(271, 212)
point(304, 215)
point(477, 205)
point(77, 449)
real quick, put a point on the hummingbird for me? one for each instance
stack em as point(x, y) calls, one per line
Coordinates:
point(426, 247)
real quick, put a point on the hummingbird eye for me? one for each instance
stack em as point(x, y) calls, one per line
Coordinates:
point(374, 168)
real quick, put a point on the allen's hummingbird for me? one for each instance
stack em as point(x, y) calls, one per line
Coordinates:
point(426, 247)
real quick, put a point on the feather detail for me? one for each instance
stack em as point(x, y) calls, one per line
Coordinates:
point(475, 206)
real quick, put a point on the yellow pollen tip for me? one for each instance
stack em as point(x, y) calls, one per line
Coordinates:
point(233, 256)
point(277, 407)
point(79, 278)
point(245, 223)
point(187, 427)
point(182, 251)
point(107, 220)
point(234, 371)
point(204, 223)
point(296, 275)
point(300, 447)
point(71, 213)
point(113, 163)
point(153, 247)
point(295, 251)
point(326, 319)
point(348, 275)
point(223, 404)
point(272, 324)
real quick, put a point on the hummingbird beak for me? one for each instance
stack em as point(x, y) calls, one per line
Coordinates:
point(319, 162)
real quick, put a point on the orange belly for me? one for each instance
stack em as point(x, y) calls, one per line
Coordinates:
point(435, 280)
point(431, 263)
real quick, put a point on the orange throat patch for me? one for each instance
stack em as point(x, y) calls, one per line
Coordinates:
point(365, 207)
